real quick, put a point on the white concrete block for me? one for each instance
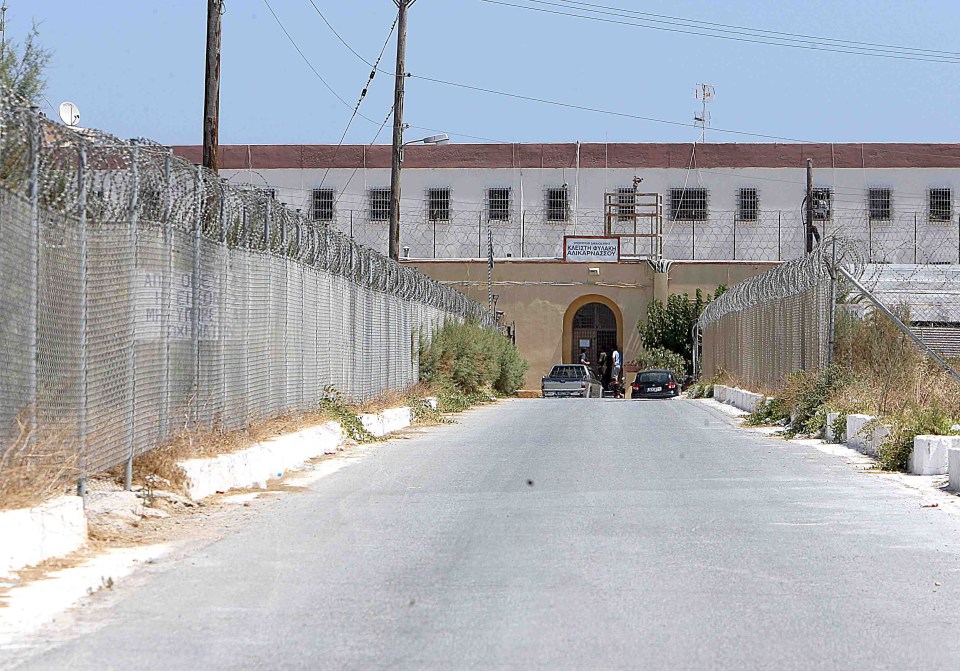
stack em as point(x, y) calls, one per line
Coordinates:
point(256, 465)
point(432, 402)
point(387, 421)
point(856, 437)
point(877, 437)
point(28, 536)
point(953, 466)
point(828, 432)
point(930, 455)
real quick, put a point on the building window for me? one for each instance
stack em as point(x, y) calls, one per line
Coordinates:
point(941, 205)
point(438, 204)
point(379, 204)
point(323, 200)
point(822, 204)
point(688, 204)
point(558, 208)
point(626, 203)
point(748, 204)
point(879, 202)
point(498, 204)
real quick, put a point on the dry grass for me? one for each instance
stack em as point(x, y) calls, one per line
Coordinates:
point(35, 467)
point(163, 461)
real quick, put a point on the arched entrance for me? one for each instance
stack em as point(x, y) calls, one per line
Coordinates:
point(594, 329)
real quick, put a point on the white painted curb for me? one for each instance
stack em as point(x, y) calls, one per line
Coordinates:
point(387, 421)
point(264, 461)
point(29, 536)
point(953, 465)
point(930, 454)
point(738, 398)
point(269, 460)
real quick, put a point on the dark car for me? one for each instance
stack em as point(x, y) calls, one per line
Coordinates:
point(654, 384)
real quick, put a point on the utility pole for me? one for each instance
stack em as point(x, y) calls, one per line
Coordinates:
point(401, 73)
point(211, 94)
point(808, 228)
point(3, 31)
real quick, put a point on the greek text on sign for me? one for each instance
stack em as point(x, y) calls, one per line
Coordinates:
point(577, 249)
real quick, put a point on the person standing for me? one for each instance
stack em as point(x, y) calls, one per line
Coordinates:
point(615, 372)
point(603, 369)
point(583, 357)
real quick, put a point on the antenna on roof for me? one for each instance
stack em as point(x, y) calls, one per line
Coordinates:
point(704, 93)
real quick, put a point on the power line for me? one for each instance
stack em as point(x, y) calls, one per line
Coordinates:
point(623, 19)
point(310, 65)
point(749, 30)
point(363, 94)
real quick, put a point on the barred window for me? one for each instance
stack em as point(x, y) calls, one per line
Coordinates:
point(558, 208)
point(323, 200)
point(379, 204)
point(879, 203)
point(498, 204)
point(822, 203)
point(748, 204)
point(941, 204)
point(626, 203)
point(688, 204)
point(438, 204)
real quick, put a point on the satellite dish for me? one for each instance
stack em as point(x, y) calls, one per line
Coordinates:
point(69, 113)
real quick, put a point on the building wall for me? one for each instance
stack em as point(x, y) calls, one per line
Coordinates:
point(538, 295)
point(777, 171)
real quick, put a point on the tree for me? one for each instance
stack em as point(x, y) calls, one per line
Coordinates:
point(22, 67)
point(670, 326)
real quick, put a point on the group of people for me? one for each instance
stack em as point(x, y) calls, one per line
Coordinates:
point(607, 369)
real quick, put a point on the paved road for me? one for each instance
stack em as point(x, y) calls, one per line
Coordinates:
point(559, 534)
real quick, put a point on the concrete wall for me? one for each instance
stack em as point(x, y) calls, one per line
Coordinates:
point(539, 294)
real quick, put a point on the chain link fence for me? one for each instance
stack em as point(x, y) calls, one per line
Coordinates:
point(785, 320)
point(142, 295)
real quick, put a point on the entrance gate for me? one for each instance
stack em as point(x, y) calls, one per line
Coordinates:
point(595, 330)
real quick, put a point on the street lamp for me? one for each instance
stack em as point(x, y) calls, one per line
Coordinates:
point(394, 242)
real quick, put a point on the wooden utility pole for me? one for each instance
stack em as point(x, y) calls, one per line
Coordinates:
point(211, 93)
point(394, 246)
point(808, 228)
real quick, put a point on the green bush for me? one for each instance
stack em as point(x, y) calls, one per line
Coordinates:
point(708, 391)
point(468, 359)
point(774, 411)
point(807, 394)
point(663, 359)
point(894, 452)
point(696, 391)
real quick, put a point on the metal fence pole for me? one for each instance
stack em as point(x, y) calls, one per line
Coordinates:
point(523, 233)
point(833, 304)
point(195, 313)
point(914, 237)
point(489, 268)
point(479, 235)
point(35, 131)
point(779, 238)
point(222, 305)
point(165, 286)
point(132, 317)
point(734, 238)
point(82, 419)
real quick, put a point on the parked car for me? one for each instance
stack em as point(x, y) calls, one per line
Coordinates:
point(571, 380)
point(655, 384)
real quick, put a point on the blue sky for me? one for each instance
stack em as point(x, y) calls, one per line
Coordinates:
point(135, 68)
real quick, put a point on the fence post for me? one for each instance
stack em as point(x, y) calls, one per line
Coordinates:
point(165, 286)
point(523, 233)
point(779, 239)
point(734, 237)
point(693, 239)
point(833, 304)
point(434, 238)
point(35, 130)
point(132, 318)
point(479, 235)
point(222, 303)
point(82, 419)
point(195, 313)
point(489, 268)
point(914, 237)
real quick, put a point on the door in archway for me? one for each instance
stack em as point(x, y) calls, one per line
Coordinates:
point(594, 329)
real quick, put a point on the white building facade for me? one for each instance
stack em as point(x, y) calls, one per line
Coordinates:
point(720, 201)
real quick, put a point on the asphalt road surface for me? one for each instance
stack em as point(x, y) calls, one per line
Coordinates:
point(557, 534)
